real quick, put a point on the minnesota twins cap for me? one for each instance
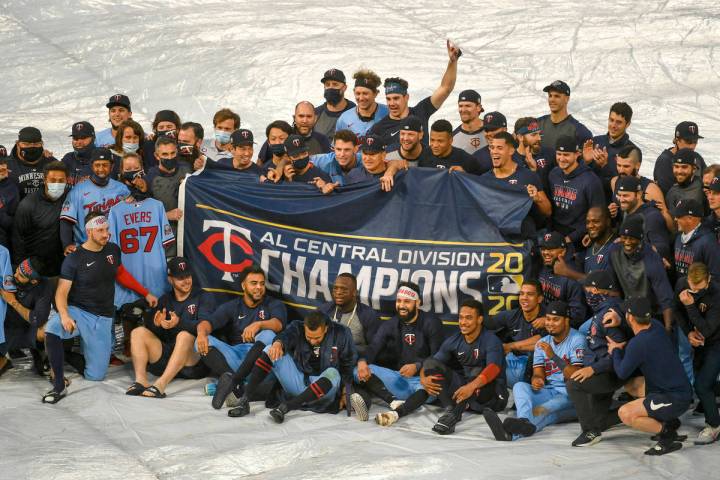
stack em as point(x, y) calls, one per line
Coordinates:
point(373, 144)
point(687, 131)
point(552, 240)
point(295, 145)
point(494, 120)
point(29, 135)
point(333, 74)
point(558, 86)
point(557, 307)
point(179, 267)
point(469, 96)
point(82, 130)
point(632, 226)
point(118, 100)
point(242, 136)
point(685, 156)
point(412, 123)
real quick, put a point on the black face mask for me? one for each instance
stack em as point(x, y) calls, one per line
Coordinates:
point(169, 163)
point(167, 134)
point(301, 163)
point(85, 152)
point(137, 194)
point(31, 154)
point(333, 95)
point(130, 176)
point(186, 150)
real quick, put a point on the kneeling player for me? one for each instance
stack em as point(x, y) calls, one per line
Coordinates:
point(165, 346)
point(668, 393)
point(479, 385)
point(310, 359)
point(544, 402)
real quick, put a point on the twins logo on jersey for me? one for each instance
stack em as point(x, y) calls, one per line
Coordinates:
point(409, 338)
point(111, 259)
point(192, 308)
point(541, 162)
point(167, 230)
point(702, 307)
point(9, 281)
point(476, 353)
point(261, 314)
point(475, 142)
point(512, 181)
point(334, 354)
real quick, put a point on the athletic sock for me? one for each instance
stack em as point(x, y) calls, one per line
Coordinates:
point(216, 362)
point(413, 402)
point(260, 370)
point(56, 354)
point(315, 391)
point(247, 364)
point(376, 386)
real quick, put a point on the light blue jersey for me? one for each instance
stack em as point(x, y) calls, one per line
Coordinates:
point(8, 285)
point(142, 231)
point(572, 350)
point(86, 197)
point(350, 120)
point(104, 138)
point(327, 162)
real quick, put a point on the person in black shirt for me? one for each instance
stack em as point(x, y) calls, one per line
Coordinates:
point(9, 198)
point(84, 302)
point(164, 346)
point(242, 153)
point(443, 154)
point(27, 160)
point(335, 102)
point(494, 123)
point(412, 149)
point(303, 124)
point(397, 101)
point(299, 169)
point(530, 153)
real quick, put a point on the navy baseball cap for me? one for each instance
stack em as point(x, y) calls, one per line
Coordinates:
point(412, 123)
point(101, 154)
point(333, 74)
point(558, 86)
point(632, 227)
point(179, 267)
point(82, 130)
point(493, 121)
point(29, 270)
point(552, 240)
point(566, 143)
point(714, 184)
point(469, 96)
point(295, 145)
point(601, 279)
point(638, 307)
point(373, 144)
point(628, 183)
point(689, 207)
point(685, 156)
point(557, 307)
point(687, 131)
point(29, 135)
point(242, 136)
point(118, 100)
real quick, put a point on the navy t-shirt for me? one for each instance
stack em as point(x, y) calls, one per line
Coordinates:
point(484, 350)
point(189, 311)
point(93, 278)
point(228, 163)
point(232, 317)
point(389, 128)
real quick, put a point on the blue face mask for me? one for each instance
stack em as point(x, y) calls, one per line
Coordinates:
point(169, 163)
point(277, 149)
point(223, 138)
point(131, 147)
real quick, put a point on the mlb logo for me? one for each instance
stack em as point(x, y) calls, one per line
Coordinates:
point(192, 308)
point(409, 338)
point(504, 284)
point(111, 259)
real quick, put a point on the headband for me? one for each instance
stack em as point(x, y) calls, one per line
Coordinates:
point(97, 222)
point(407, 293)
point(395, 88)
point(27, 270)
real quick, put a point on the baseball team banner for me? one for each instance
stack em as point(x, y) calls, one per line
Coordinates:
point(447, 232)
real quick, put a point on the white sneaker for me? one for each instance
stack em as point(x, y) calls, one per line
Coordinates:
point(358, 405)
point(232, 401)
point(707, 435)
point(385, 419)
point(395, 404)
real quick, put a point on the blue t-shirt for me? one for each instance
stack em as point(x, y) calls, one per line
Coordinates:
point(87, 197)
point(8, 285)
point(142, 231)
point(104, 138)
point(350, 120)
point(572, 350)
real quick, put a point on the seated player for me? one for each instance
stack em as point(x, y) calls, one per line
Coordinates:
point(668, 393)
point(479, 384)
point(558, 287)
point(544, 401)
point(164, 347)
point(520, 329)
point(310, 359)
point(390, 368)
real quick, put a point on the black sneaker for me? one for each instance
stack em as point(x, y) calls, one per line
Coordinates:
point(587, 439)
point(664, 446)
point(446, 423)
point(242, 409)
point(278, 414)
point(496, 425)
point(519, 426)
point(224, 387)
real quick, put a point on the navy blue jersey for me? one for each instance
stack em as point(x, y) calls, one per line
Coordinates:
point(567, 126)
point(596, 353)
point(93, 278)
point(653, 352)
point(232, 317)
point(598, 257)
point(228, 163)
point(189, 312)
point(545, 160)
point(397, 343)
point(512, 326)
point(456, 158)
point(662, 172)
point(311, 174)
point(703, 314)
point(483, 161)
point(80, 168)
point(603, 141)
point(702, 246)
point(572, 196)
point(360, 174)
point(654, 227)
point(557, 287)
point(389, 128)
point(336, 350)
point(486, 349)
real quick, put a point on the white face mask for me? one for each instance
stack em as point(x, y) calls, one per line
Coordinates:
point(55, 190)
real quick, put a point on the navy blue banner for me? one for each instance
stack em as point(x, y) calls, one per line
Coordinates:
point(446, 232)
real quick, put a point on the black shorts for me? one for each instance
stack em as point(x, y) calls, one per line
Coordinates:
point(198, 370)
point(666, 406)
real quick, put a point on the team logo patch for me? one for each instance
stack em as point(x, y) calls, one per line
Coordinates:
point(192, 308)
point(579, 353)
point(489, 118)
point(702, 307)
point(111, 259)
point(475, 142)
point(8, 281)
point(167, 230)
point(599, 258)
point(541, 162)
point(296, 142)
point(369, 141)
point(512, 182)
point(245, 134)
point(409, 338)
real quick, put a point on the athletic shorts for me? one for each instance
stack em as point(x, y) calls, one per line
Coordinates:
point(666, 406)
point(198, 370)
